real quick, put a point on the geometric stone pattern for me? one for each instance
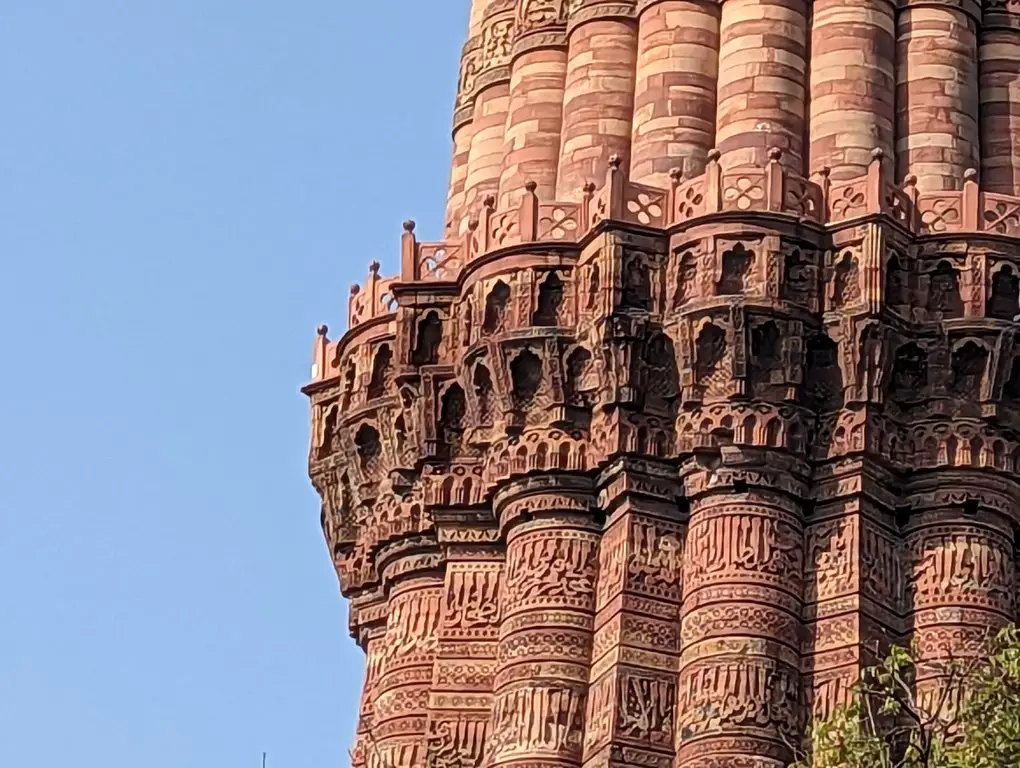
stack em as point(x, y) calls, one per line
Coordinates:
point(710, 394)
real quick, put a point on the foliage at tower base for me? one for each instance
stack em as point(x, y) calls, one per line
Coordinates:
point(907, 713)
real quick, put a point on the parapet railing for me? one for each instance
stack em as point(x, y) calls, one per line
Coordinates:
point(771, 188)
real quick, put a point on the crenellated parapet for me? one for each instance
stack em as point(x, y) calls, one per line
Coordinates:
point(686, 203)
point(657, 471)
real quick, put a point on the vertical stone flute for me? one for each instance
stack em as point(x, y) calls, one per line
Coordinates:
point(937, 92)
point(674, 98)
point(599, 99)
point(538, 76)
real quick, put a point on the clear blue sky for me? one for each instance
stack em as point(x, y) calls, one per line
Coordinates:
point(187, 187)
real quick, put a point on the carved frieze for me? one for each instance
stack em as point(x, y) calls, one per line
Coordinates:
point(538, 720)
point(743, 542)
point(722, 694)
point(551, 568)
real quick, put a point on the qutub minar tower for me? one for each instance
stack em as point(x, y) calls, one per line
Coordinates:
point(710, 394)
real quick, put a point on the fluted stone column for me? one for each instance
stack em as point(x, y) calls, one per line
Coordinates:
point(372, 641)
point(853, 586)
point(739, 687)
point(674, 95)
point(853, 84)
point(492, 103)
point(762, 82)
point(463, 114)
point(409, 651)
point(538, 76)
point(460, 700)
point(456, 221)
point(937, 92)
point(960, 575)
point(999, 54)
point(632, 697)
point(546, 610)
point(598, 103)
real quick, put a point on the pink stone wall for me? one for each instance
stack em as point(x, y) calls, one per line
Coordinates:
point(647, 473)
point(471, 63)
point(853, 84)
point(491, 105)
point(550, 90)
point(531, 147)
point(999, 54)
point(937, 95)
point(674, 97)
point(598, 102)
point(762, 81)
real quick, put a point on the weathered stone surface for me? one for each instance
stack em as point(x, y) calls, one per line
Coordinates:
point(598, 103)
point(853, 84)
point(675, 95)
point(711, 393)
point(937, 94)
point(762, 81)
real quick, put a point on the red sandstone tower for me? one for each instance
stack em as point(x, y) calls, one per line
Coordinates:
point(711, 393)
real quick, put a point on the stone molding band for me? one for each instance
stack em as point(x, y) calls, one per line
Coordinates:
point(970, 7)
point(582, 12)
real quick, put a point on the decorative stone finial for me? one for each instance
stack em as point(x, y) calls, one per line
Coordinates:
point(530, 186)
point(355, 289)
point(970, 174)
point(322, 330)
point(373, 268)
point(877, 153)
point(409, 226)
point(676, 174)
point(589, 188)
point(490, 202)
point(775, 154)
point(824, 172)
point(713, 155)
point(615, 161)
point(910, 180)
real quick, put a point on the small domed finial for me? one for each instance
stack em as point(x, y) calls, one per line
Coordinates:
point(409, 226)
point(676, 174)
point(490, 202)
point(589, 188)
point(970, 174)
point(530, 186)
point(374, 267)
point(775, 154)
point(824, 172)
point(322, 330)
point(713, 155)
point(615, 161)
point(355, 289)
point(877, 153)
point(910, 180)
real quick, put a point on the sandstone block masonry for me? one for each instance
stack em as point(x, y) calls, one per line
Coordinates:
point(551, 89)
point(710, 393)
